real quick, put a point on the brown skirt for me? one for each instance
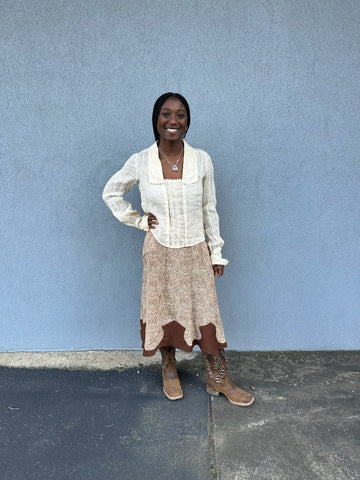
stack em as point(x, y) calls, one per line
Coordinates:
point(179, 305)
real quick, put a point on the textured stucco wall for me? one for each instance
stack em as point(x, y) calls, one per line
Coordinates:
point(274, 92)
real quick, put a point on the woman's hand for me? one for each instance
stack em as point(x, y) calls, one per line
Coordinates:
point(218, 270)
point(152, 221)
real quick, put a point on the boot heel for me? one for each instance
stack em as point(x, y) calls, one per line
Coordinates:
point(211, 391)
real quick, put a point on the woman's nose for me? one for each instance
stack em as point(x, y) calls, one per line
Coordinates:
point(172, 118)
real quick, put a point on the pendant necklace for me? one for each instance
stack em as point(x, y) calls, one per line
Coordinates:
point(174, 166)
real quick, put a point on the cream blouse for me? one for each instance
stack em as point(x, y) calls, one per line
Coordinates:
point(185, 208)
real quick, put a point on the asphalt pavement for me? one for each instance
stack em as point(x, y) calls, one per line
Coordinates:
point(61, 424)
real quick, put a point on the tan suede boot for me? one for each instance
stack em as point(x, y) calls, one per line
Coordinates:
point(171, 382)
point(219, 382)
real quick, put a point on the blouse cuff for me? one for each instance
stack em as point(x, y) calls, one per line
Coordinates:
point(143, 223)
point(216, 258)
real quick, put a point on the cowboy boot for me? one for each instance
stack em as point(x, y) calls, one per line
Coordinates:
point(171, 383)
point(219, 382)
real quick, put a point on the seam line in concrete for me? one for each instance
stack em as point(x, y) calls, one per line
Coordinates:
point(212, 452)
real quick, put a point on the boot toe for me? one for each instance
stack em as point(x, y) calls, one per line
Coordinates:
point(173, 390)
point(245, 400)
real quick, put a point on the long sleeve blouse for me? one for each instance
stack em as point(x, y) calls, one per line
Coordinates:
point(195, 200)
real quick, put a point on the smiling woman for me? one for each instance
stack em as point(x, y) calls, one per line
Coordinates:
point(172, 123)
point(171, 120)
point(182, 248)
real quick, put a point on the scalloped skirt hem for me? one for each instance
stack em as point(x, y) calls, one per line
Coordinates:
point(174, 337)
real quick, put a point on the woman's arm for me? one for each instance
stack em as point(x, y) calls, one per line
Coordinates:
point(114, 191)
point(211, 219)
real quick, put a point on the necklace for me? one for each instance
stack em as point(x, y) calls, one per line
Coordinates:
point(174, 166)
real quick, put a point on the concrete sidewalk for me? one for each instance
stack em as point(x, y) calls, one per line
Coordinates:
point(117, 424)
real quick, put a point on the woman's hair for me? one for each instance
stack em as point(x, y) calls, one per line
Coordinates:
point(158, 105)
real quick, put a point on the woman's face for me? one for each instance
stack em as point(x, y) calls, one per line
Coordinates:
point(172, 121)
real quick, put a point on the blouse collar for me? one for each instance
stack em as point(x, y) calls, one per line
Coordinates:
point(190, 167)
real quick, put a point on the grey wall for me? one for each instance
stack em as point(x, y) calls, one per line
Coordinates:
point(274, 92)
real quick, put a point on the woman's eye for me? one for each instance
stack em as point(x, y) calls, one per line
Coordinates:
point(181, 115)
point(165, 114)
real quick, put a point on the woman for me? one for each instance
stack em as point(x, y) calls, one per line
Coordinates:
point(182, 248)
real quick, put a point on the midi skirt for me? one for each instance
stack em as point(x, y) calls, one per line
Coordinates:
point(179, 306)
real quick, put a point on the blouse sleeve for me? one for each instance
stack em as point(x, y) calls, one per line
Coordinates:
point(114, 191)
point(211, 218)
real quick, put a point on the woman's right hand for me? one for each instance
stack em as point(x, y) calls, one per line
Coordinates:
point(152, 221)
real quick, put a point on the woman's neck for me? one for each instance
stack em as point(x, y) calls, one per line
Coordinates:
point(171, 148)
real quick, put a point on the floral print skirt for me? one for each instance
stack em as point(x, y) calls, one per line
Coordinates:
point(179, 306)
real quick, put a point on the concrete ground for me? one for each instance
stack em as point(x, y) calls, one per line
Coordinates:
point(60, 423)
